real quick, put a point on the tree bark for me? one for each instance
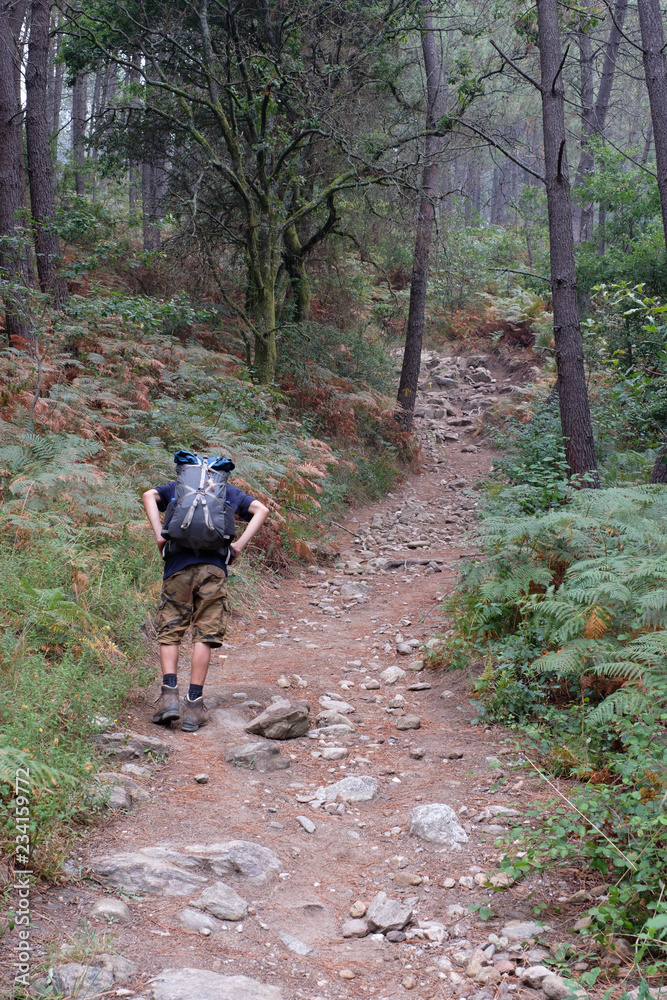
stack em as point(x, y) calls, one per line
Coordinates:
point(79, 115)
point(435, 100)
point(153, 189)
point(655, 69)
point(11, 187)
point(594, 117)
point(40, 173)
point(572, 390)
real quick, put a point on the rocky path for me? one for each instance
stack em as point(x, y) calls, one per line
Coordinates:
point(341, 861)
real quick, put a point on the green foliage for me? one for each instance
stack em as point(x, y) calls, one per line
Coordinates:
point(532, 457)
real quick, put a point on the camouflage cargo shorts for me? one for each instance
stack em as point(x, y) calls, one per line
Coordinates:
point(197, 596)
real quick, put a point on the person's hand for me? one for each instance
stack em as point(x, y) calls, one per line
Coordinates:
point(233, 553)
point(161, 542)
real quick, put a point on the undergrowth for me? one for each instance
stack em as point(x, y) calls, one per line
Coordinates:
point(567, 606)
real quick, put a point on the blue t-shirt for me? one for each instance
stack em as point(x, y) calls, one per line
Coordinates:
point(179, 558)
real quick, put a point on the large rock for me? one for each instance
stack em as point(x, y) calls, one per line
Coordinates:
point(385, 914)
point(237, 857)
point(257, 757)
point(136, 791)
point(437, 824)
point(162, 871)
point(533, 976)
point(223, 902)
point(283, 720)
point(199, 984)
point(354, 788)
point(81, 981)
point(152, 871)
point(132, 746)
point(556, 988)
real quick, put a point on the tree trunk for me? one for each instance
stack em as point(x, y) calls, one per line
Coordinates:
point(40, 174)
point(581, 213)
point(296, 268)
point(264, 315)
point(79, 115)
point(655, 69)
point(598, 114)
point(11, 189)
point(435, 100)
point(150, 204)
point(572, 390)
point(659, 470)
point(94, 113)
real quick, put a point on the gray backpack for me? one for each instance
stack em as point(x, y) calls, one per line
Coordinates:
point(199, 516)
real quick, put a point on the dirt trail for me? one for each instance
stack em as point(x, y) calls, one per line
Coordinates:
point(310, 634)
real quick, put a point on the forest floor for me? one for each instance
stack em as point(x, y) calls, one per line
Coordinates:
point(304, 631)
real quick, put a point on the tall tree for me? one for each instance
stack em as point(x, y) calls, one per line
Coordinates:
point(40, 174)
point(435, 107)
point(655, 69)
point(79, 116)
point(572, 389)
point(11, 175)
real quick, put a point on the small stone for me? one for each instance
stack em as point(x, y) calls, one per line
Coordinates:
point(410, 981)
point(121, 968)
point(452, 755)
point(282, 720)
point(306, 824)
point(346, 974)
point(398, 701)
point(396, 937)
point(392, 674)
point(334, 705)
point(201, 779)
point(488, 976)
point(197, 921)
point(408, 722)
point(132, 746)
point(446, 694)
point(499, 880)
point(259, 756)
point(282, 682)
point(223, 902)
point(476, 962)
point(295, 944)
point(354, 788)
point(404, 879)
point(358, 909)
point(371, 684)
point(119, 798)
point(354, 929)
point(385, 914)
point(416, 666)
point(404, 649)
point(582, 923)
point(504, 966)
point(334, 753)
point(523, 930)
point(417, 753)
point(448, 883)
point(112, 909)
point(579, 897)
point(437, 824)
point(420, 686)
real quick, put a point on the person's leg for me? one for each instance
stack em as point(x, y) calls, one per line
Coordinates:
point(173, 617)
point(201, 657)
point(209, 621)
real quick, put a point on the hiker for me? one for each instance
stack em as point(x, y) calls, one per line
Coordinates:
point(195, 541)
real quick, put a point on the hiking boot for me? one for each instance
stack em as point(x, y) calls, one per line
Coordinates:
point(167, 706)
point(194, 714)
